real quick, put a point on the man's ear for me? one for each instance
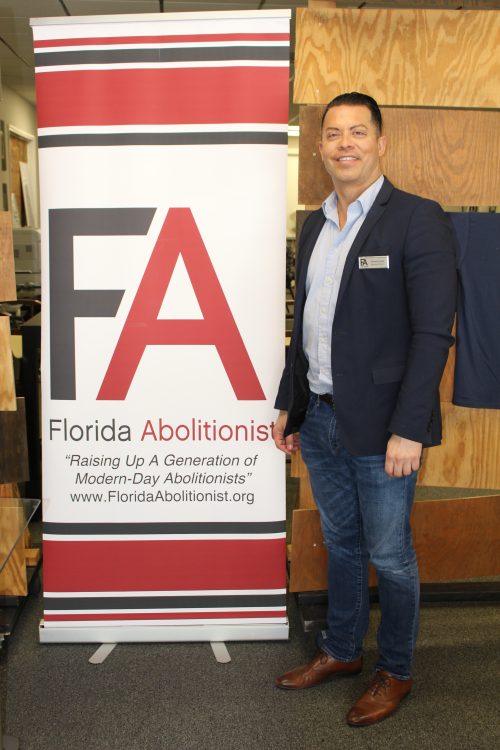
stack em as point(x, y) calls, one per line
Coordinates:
point(382, 143)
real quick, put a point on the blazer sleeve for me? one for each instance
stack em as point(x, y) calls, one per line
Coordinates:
point(431, 283)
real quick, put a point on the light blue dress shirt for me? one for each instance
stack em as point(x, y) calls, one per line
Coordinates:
point(323, 282)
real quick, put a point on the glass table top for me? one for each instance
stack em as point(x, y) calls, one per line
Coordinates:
point(15, 515)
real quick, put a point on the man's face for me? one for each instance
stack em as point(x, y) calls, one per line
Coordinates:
point(351, 147)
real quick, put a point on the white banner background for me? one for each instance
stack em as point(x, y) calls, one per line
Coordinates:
point(237, 196)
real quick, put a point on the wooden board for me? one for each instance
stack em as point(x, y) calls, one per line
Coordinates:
point(305, 498)
point(455, 539)
point(308, 563)
point(454, 4)
point(7, 383)
point(7, 273)
point(18, 153)
point(449, 156)
point(458, 538)
point(9, 490)
point(402, 57)
point(470, 453)
point(14, 466)
point(446, 385)
point(13, 581)
point(32, 555)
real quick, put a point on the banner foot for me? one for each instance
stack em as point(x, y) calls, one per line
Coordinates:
point(220, 652)
point(102, 653)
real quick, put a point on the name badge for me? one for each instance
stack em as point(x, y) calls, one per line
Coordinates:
point(373, 261)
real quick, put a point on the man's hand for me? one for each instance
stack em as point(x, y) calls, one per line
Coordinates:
point(288, 444)
point(402, 456)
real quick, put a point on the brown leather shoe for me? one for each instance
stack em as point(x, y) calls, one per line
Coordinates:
point(380, 700)
point(321, 668)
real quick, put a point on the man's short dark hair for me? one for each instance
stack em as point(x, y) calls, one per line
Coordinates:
point(354, 99)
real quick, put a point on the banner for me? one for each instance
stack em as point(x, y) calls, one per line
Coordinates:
point(163, 152)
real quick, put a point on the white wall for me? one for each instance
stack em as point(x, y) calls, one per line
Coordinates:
point(16, 111)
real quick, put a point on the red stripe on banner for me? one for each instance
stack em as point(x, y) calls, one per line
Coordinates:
point(172, 38)
point(163, 616)
point(164, 565)
point(188, 95)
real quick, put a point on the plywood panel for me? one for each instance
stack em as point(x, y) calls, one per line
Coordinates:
point(469, 455)
point(454, 4)
point(14, 466)
point(32, 556)
point(455, 539)
point(458, 538)
point(7, 383)
point(298, 469)
point(435, 58)
point(446, 385)
point(308, 563)
point(449, 156)
point(9, 490)
point(7, 273)
point(314, 182)
point(13, 581)
point(18, 153)
point(13, 578)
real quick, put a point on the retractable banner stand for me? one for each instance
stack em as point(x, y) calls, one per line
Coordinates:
point(163, 151)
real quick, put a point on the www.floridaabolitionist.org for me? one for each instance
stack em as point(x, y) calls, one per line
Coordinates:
point(162, 496)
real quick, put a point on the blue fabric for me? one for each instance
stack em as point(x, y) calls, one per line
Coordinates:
point(324, 275)
point(477, 368)
point(365, 515)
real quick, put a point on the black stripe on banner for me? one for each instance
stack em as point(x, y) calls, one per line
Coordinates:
point(75, 529)
point(159, 139)
point(173, 54)
point(165, 602)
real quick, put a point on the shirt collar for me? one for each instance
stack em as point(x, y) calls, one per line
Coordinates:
point(366, 200)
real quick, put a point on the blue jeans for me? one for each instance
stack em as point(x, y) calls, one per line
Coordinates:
point(365, 515)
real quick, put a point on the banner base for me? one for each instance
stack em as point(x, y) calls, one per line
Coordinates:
point(163, 633)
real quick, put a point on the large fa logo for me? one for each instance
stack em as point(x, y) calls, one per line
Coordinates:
point(178, 236)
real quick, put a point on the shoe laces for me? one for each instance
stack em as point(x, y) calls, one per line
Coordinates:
point(380, 683)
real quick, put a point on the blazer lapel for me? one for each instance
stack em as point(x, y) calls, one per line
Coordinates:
point(374, 214)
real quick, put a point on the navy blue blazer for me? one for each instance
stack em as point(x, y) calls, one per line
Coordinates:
point(392, 326)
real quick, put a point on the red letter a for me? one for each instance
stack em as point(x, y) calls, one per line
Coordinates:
point(180, 236)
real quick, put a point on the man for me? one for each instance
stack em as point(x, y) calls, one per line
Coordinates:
point(375, 301)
